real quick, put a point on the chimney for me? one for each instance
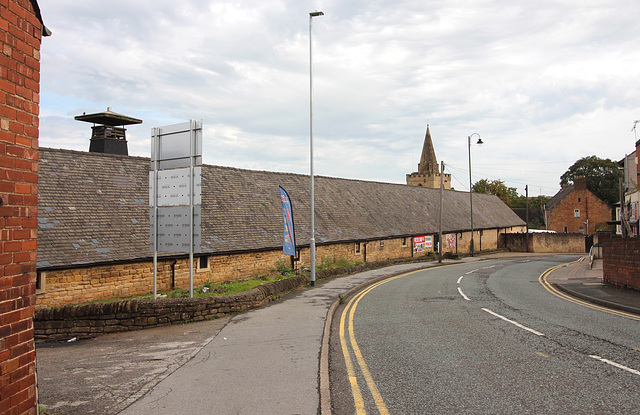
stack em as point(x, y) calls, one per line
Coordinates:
point(108, 132)
point(580, 183)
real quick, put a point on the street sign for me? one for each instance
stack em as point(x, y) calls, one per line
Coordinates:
point(175, 192)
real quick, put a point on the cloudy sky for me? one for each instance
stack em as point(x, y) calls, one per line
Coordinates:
point(543, 83)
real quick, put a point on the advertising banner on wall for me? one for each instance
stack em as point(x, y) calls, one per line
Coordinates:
point(422, 244)
point(418, 244)
point(289, 238)
point(451, 241)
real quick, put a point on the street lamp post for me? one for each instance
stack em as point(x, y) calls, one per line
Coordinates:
point(312, 242)
point(479, 142)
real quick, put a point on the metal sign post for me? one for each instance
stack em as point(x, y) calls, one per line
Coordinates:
point(175, 194)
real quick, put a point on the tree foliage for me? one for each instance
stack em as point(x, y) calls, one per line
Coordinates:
point(520, 202)
point(602, 176)
point(498, 188)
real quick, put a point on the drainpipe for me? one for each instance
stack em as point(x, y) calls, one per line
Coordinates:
point(173, 273)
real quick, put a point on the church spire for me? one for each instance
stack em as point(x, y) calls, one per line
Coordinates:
point(429, 174)
point(428, 162)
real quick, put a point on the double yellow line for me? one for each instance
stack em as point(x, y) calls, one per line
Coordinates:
point(553, 290)
point(350, 346)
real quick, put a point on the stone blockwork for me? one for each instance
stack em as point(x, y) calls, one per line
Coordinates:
point(89, 320)
point(621, 262)
point(545, 242)
point(20, 34)
point(85, 284)
point(104, 282)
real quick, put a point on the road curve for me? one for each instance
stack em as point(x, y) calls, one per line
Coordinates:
point(483, 337)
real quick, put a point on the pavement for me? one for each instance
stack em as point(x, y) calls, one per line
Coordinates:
point(269, 360)
point(581, 281)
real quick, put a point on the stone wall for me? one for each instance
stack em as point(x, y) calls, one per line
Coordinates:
point(85, 284)
point(621, 262)
point(20, 35)
point(89, 320)
point(545, 242)
point(104, 282)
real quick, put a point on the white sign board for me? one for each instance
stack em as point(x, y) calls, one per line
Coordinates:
point(173, 187)
point(175, 181)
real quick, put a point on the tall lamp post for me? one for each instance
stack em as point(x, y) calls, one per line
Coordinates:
point(479, 142)
point(312, 243)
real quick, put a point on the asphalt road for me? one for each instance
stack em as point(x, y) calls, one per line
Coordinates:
point(481, 338)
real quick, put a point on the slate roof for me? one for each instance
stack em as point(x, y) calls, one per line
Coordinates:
point(94, 208)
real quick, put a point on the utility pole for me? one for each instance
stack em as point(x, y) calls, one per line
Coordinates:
point(526, 192)
point(441, 210)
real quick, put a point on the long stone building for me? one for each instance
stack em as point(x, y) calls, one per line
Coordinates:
point(93, 220)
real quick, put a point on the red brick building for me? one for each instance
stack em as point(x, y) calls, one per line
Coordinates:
point(575, 209)
point(21, 31)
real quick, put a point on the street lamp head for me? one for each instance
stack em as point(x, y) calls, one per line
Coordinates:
point(479, 142)
point(316, 14)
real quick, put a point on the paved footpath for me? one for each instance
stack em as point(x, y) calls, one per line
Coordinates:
point(264, 361)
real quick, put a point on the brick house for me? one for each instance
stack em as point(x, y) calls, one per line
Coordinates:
point(575, 209)
point(21, 31)
point(94, 225)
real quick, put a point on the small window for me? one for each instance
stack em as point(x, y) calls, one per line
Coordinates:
point(576, 213)
point(566, 230)
point(203, 263)
point(41, 282)
point(357, 247)
point(579, 199)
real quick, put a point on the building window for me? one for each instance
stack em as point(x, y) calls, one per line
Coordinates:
point(357, 248)
point(381, 243)
point(41, 282)
point(579, 199)
point(203, 263)
point(576, 213)
point(566, 230)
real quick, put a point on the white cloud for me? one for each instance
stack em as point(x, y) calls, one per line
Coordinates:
point(545, 82)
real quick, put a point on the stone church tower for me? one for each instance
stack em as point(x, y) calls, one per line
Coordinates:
point(428, 174)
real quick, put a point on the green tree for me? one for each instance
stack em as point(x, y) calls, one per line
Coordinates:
point(602, 177)
point(534, 202)
point(496, 187)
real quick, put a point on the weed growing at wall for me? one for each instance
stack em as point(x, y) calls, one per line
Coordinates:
point(333, 263)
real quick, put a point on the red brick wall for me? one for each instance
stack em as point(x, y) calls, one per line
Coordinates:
point(20, 34)
point(621, 262)
point(563, 214)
